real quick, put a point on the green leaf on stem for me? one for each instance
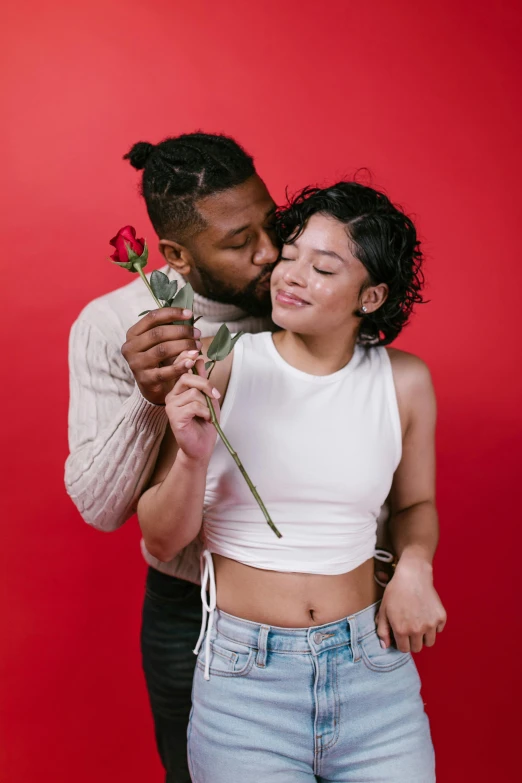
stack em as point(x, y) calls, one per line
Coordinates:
point(173, 287)
point(208, 365)
point(184, 299)
point(222, 344)
point(144, 313)
point(160, 284)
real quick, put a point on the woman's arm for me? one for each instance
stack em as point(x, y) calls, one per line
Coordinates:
point(410, 605)
point(170, 511)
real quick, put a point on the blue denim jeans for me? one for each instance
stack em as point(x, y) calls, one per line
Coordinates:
point(310, 704)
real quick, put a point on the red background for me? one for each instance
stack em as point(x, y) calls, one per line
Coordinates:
point(427, 95)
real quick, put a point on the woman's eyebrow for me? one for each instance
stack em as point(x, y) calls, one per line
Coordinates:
point(329, 253)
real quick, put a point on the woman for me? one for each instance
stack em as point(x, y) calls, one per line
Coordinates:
point(305, 673)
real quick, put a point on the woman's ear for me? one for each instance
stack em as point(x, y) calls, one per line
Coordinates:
point(374, 297)
point(177, 256)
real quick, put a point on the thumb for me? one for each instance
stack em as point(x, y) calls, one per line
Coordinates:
point(383, 628)
point(200, 367)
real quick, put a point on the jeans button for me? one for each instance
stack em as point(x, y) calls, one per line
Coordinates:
point(318, 637)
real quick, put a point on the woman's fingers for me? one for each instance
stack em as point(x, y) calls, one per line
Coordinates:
point(193, 410)
point(430, 637)
point(200, 367)
point(186, 397)
point(383, 629)
point(191, 381)
point(186, 360)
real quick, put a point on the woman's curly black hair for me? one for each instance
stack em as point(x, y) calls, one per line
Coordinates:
point(384, 240)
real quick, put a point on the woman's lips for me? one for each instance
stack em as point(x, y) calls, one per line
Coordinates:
point(290, 299)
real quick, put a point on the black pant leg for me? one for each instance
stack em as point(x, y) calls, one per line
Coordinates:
point(171, 623)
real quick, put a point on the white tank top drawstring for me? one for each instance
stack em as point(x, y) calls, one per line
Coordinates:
point(209, 605)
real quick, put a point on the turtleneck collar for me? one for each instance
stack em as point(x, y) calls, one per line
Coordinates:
point(212, 311)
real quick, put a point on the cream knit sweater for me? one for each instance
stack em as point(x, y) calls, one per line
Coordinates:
point(114, 433)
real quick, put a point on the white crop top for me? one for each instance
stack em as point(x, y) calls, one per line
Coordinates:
point(321, 450)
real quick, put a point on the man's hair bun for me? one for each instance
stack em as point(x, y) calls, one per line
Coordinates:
point(139, 154)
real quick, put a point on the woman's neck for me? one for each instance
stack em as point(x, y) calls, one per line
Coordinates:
point(315, 354)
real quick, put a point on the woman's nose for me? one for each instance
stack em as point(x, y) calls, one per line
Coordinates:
point(293, 274)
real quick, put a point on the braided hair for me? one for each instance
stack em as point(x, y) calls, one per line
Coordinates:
point(183, 169)
point(382, 237)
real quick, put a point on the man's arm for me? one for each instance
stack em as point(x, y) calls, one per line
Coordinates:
point(115, 430)
point(114, 433)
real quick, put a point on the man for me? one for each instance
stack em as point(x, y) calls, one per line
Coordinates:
point(213, 216)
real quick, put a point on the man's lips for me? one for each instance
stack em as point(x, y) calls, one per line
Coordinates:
point(265, 282)
point(286, 298)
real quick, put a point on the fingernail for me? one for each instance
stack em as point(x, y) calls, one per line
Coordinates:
point(382, 643)
point(216, 394)
point(187, 313)
point(197, 333)
point(198, 343)
point(193, 353)
point(189, 363)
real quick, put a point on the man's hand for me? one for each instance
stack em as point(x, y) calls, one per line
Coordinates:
point(411, 607)
point(156, 351)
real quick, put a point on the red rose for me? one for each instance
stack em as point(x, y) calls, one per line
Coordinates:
point(126, 237)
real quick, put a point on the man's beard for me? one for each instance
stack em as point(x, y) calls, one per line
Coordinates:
point(252, 300)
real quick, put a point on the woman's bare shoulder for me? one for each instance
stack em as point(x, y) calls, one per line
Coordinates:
point(409, 370)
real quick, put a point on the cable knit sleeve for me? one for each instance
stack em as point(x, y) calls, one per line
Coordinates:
point(114, 433)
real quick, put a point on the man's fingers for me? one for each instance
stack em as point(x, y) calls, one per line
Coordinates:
point(164, 353)
point(383, 629)
point(157, 336)
point(156, 378)
point(158, 317)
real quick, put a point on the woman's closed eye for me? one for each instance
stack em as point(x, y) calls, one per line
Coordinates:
point(322, 271)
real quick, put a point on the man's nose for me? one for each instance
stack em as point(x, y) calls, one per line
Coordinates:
point(267, 252)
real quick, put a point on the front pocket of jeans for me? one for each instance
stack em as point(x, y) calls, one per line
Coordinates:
point(227, 658)
point(381, 660)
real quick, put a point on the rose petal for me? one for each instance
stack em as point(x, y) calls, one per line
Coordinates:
point(126, 234)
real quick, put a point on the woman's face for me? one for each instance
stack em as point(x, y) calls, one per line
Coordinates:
point(316, 286)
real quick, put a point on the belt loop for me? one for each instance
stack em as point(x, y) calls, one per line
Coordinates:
point(354, 643)
point(261, 646)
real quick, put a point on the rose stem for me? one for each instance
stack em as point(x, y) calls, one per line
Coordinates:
point(220, 432)
point(143, 276)
point(238, 462)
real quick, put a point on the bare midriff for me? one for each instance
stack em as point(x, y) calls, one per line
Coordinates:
point(293, 600)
